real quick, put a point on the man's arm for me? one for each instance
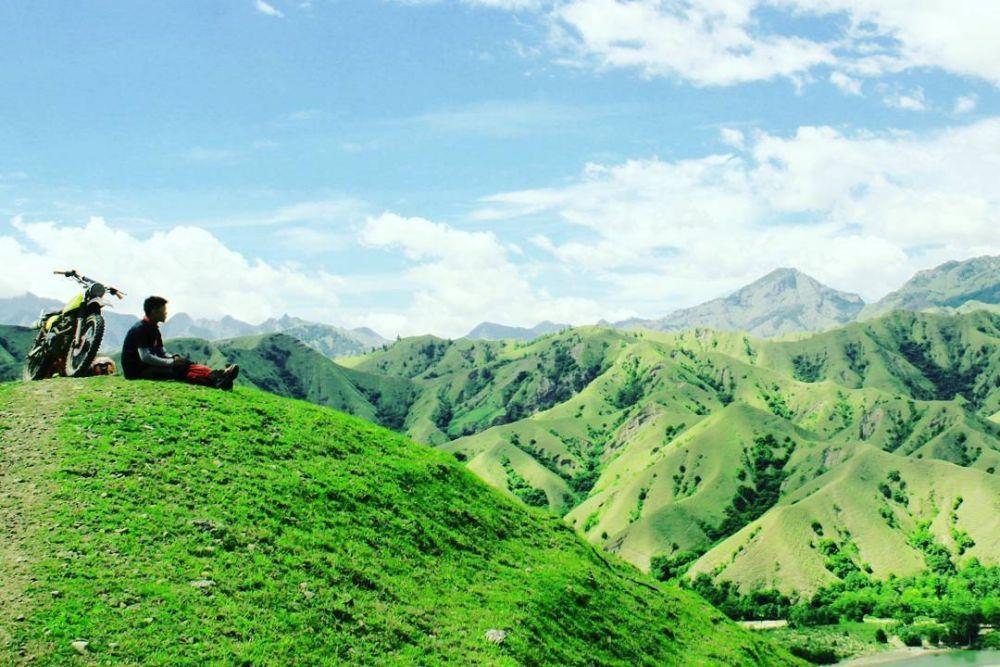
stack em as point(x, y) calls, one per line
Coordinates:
point(149, 356)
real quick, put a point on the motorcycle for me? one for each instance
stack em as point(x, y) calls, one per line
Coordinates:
point(68, 340)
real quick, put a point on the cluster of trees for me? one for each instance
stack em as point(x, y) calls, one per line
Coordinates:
point(764, 463)
point(809, 367)
point(521, 488)
point(944, 606)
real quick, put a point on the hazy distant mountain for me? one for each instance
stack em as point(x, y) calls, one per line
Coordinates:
point(330, 340)
point(784, 301)
point(183, 325)
point(493, 331)
point(950, 285)
point(23, 311)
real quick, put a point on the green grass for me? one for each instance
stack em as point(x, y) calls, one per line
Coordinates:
point(328, 540)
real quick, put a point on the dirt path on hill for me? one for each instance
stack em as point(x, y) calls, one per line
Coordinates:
point(27, 426)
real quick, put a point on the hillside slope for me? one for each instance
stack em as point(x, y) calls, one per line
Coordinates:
point(155, 523)
point(686, 442)
point(284, 365)
point(14, 345)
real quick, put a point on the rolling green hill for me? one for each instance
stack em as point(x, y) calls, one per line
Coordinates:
point(156, 523)
point(688, 445)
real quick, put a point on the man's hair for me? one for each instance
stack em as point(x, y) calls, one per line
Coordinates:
point(152, 303)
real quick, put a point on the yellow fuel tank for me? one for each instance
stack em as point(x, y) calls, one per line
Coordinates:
point(73, 303)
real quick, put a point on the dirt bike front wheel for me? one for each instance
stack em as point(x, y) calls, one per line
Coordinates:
point(36, 366)
point(84, 348)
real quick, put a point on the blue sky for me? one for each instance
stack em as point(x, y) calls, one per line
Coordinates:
point(423, 166)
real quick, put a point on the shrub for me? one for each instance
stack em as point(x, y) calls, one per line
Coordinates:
point(814, 653)
point(665, 567)
point(804, 615)
point(910, 636)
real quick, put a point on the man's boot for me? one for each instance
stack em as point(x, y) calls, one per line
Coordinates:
point(230, 374)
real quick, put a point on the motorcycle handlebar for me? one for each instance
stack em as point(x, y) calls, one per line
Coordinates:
point(83, 279)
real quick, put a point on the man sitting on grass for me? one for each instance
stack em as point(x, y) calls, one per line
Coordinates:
point(143, 356)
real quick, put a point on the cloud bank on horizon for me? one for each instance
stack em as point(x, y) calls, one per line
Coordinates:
point(876, 157)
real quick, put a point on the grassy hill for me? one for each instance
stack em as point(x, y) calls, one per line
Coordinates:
point(156, 523)
point(284, 365)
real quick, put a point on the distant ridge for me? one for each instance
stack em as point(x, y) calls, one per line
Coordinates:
point(493, 331)
point(949, 285)
point(784, 301)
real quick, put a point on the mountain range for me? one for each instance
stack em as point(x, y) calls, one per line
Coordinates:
point(787, 301)
point(782, 302)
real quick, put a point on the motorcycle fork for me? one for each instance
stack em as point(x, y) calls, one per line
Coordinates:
point(76, 335)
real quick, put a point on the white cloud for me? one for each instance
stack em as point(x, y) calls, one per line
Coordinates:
point(846, 84)
point(334, 211)
point(860, 211)
point(189, 266)
point(955, 35)
point(723, 42)
point(267, 9)
point(965, 104)
point(510, 5)
point(460, 278)
point(711, 42)
point(501, 117)
point(911, 101)
point(732, 137)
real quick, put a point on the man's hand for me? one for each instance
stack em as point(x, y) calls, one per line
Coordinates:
point(181, 362)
